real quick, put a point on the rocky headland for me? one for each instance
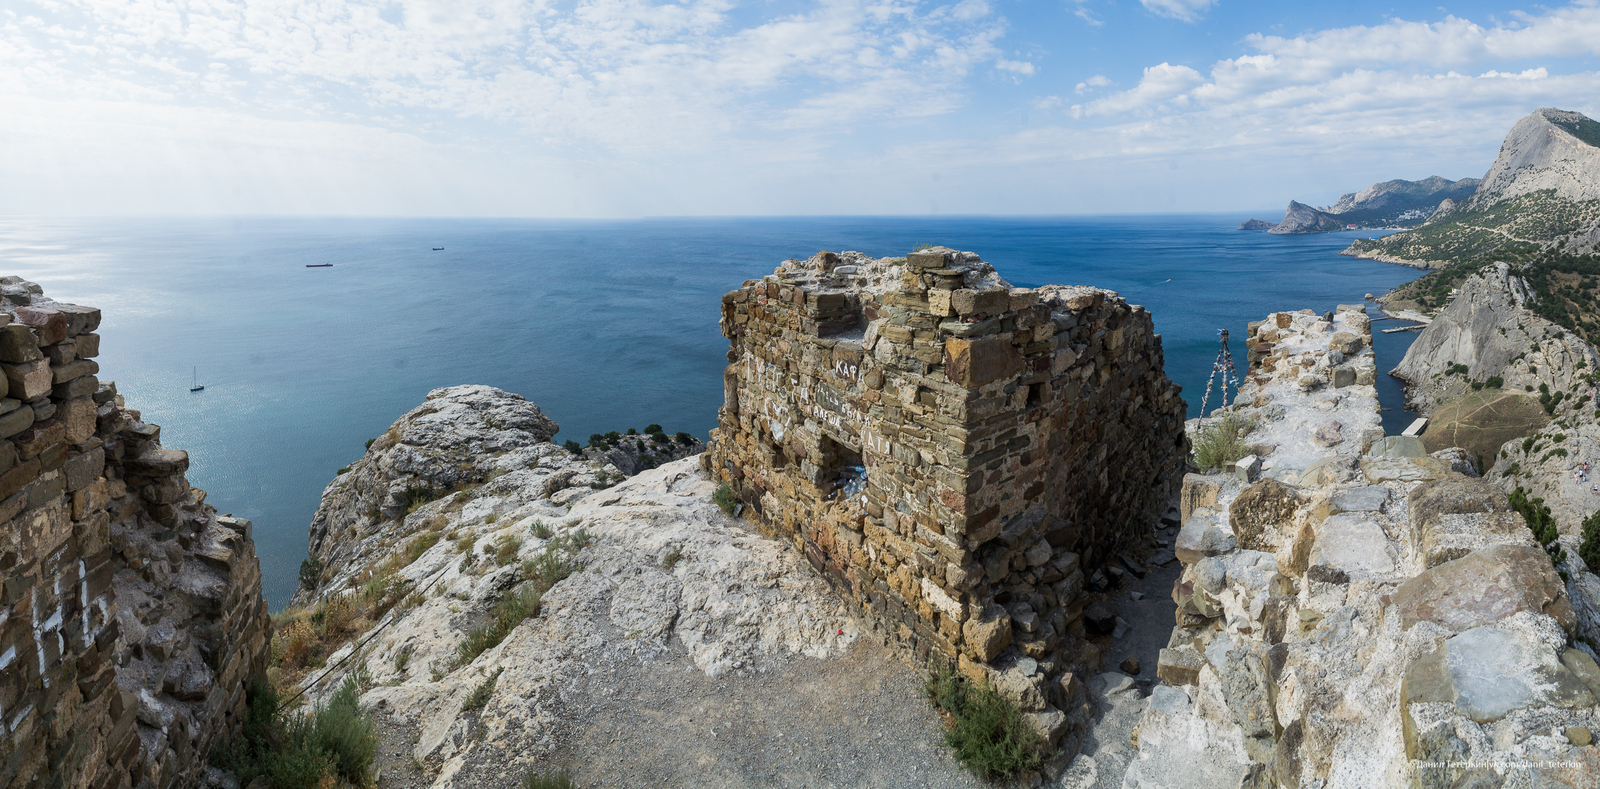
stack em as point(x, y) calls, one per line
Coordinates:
point(1397, 203)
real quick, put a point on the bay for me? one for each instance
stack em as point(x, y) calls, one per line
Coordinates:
point(605, 324)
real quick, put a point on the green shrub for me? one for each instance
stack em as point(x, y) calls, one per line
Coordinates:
point(573, 447)
point(295, 751)
point(403, 657)
point(342, 470)
point(481, 694)
point(310, 573)
point(989, 735)
point(508, 613)
point(1589, 549)
point(505, 548)
point(1540, 522)
point(560, 779)
point(1219, 444)
point(1495, 382)
point(369, 442)
point(684, 438)
point(652, 429)
point(540, 530)
point(416, 496)
point(724, 498)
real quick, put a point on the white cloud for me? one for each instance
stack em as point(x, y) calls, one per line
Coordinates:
point(1161, 83)
point(1187, 10)
point(1096, 81)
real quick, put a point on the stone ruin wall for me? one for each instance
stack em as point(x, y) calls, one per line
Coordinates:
point(131, 617)
point(1011, 439)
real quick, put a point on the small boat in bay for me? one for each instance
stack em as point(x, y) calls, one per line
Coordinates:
point(438, 249)
point(195, 385)
point(319, 265)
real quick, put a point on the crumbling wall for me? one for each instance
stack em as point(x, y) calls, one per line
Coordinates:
point(951, 451)
point(131, 617)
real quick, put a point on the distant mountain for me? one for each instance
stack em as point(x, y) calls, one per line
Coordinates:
point(1256, 224)
point(1542, 192)
point(1397, 203)
point(1301, 218)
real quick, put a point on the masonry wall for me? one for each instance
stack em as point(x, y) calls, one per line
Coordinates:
point(1006, 440)
point(131, 617)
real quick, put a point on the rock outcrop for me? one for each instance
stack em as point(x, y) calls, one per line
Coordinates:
point(1301, 218)
point(1543, 190)
point(1256, 224)
point(656, 562)
point(461, 437)
point(131, 619)
point(1393, 625)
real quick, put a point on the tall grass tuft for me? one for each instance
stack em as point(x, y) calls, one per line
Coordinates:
point(1218, 444)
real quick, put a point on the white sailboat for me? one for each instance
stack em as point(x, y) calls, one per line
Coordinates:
point(196, 385)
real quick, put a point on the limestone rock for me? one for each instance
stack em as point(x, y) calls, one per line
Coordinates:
point(1484, 587)
point(989, 633)
point(1199, 490)
point(1260, 511)
point(1398, 447)
point(1404, 469)
point(1201, 536)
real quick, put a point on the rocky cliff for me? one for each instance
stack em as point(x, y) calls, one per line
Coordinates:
point(1543, 190)
point(1354, 612)
point(131, 619)
point(1301, 218)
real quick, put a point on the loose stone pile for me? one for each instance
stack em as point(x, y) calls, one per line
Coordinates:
point(951, 452)
point(1355, 612)
point(131, 619)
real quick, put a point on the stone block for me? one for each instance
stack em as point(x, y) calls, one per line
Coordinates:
point(1246, 468)
point(160, 463)
point(974, 363)
point(1379, 470)
point(1398, 447)
point(1354, 546)
point(87, 345)
point(1180, 666)
point(1199, 490)
point(990, 301)
point(939, 303)
point(1345, 343)
point(1450, 536)
point(1049, 724)
point(78, 419)
point(40, 437)
point(1343, 376)
point(1200, 537)
point(28, 380)
point(84, 386)
point(1261, 511)
point(1483, 587)
point(15, 422)
point(49, 325)
point(67, 372)
point(989, 634)
point(18, 344)
point(1454, 495)
point(79, 319)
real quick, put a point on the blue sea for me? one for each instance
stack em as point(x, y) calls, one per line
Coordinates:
point(605, 324)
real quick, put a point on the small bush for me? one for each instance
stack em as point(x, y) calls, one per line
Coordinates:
point(560, 779)
point(988, 733)
point(1589, 549)
point(481, 693)
point(1219, 444)
point(310, 573)
point(1540, 522)
point(342, 470)
point(403, 657)
point(1495, 382)
point(416, 496)
point(296, 640)
point(420, 544)
point(508, 613)
point(540, 530)
point(573, 447)
point(465, 543)
point(505, 548)
point(631, 432)
point(336, 742)
point(369, 442)
point(684, 438)
point(672, 557)
point(724, 498)
point(651, 429)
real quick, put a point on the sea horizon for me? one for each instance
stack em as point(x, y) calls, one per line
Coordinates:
point(606, 324)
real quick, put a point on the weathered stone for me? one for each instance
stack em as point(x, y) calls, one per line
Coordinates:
point(1403, 469)
point(160, 462)
point(1180, 666)
point(987, 635)
point(1130, 665)
point(1342, 377)
point(1326, 434)
point(18, 344)
point(1484, 587)
point(1345, 343)
point(1099, 618)
point(1260, 511)
point(15, 422)
point(992, 301)
point(1583, 667)
point(1398, 447)
point(1355, 546)
point(1446, 537)
point(1495, 671)
point(49, 324)
point(973, 363)
point(1200, 537)
point(1199, 490)
point(28, 380)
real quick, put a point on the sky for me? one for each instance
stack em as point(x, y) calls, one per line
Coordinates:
point(629, 108)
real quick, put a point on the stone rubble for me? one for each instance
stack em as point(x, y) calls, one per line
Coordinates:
point(1363, 615)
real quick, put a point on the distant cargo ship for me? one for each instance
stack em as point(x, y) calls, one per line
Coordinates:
point(319, 265)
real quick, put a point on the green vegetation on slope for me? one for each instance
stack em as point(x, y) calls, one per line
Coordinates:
point(1511, 230)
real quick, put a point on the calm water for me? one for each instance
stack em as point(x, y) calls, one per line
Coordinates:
point(606, 325)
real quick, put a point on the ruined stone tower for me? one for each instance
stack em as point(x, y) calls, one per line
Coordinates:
point(951, 452)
